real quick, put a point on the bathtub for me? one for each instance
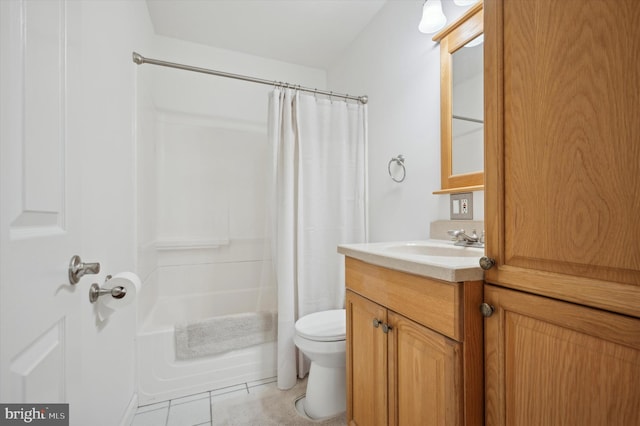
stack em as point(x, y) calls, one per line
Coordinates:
point(162, 377)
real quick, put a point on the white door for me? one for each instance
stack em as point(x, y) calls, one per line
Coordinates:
point(40, 330)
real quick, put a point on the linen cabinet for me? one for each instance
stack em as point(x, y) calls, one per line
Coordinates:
point(562, 163)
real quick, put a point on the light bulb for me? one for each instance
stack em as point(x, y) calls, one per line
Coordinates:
point(464, 2)
point(433, 18)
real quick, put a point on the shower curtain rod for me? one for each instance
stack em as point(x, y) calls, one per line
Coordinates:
point(139, 59)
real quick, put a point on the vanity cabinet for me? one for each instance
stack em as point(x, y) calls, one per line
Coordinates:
point(561, 211)
point(414, 349)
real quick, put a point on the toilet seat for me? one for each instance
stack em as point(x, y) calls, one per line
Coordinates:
point(325, 326)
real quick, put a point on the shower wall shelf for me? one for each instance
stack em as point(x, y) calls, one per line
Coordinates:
point(186, 244)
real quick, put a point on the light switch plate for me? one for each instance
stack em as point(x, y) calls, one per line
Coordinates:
point(461, 206)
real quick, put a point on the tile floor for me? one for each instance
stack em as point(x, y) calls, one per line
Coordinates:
point(194, 410)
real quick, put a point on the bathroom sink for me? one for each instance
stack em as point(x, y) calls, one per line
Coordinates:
point(433, 250)
point(438, 259)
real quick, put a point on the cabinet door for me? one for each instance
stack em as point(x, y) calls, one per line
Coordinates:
point(366, 362)
point(561, 179)
point(555, 363)
point(425, 375)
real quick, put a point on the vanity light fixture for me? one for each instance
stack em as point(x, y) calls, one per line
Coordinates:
point(433, 18)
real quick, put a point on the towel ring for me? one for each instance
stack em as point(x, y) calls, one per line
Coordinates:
point(400, 162)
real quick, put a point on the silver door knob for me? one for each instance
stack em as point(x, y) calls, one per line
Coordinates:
point(376, 322)
point(486, 310)
point(487, 263)
point(78, 269)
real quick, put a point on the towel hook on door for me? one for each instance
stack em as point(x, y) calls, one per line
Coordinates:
point(399, 160)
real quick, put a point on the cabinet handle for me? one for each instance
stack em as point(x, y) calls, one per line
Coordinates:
point(376, 322)
point(386, 328)
point(487, 263)
point(486, 310)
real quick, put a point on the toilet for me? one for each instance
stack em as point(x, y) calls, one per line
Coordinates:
point(321, 337)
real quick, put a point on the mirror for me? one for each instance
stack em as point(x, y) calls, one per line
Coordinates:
point(467, 108)
point(462, 103)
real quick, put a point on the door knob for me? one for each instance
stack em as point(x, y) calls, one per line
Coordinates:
point(376, 322)
point(486, 310)
point(78, 269)
point(487, 263)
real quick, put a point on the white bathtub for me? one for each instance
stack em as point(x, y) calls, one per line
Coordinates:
point(162, 377)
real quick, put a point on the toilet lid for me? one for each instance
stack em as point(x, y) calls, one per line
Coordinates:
point(324, 326)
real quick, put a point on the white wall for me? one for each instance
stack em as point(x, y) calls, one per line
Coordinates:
point(398, 68)
point(111, 30)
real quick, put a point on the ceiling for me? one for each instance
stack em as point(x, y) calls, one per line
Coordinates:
point(306, 32)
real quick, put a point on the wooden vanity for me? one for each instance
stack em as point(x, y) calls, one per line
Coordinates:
point(414, 348)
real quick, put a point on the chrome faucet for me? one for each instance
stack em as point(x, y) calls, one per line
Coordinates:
point(461, 238)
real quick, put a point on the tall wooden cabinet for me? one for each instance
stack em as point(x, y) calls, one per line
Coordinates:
point(562, 185)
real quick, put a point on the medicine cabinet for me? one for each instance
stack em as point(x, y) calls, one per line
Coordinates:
point(462, 103)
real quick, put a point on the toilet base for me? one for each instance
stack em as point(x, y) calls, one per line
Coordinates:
point(326, 392)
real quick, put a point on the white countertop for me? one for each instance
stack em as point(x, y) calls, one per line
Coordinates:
point(405, 256)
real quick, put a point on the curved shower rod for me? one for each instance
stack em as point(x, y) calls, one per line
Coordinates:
point(139, 59)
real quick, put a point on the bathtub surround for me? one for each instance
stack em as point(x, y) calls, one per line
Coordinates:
point(160, 375)
point(319, 190)
point(224, 333)
point(203, 245)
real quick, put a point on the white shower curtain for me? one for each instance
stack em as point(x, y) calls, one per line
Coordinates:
point(319, 192)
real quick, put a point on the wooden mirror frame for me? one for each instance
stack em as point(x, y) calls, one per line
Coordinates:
point(452, 38)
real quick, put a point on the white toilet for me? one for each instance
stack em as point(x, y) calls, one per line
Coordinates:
point(321, 337)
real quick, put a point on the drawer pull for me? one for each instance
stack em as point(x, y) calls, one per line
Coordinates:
point(486, 310)
point(487, 263)
point(376, 322)
point(386, 328)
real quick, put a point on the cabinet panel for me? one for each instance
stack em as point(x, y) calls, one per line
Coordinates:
point(551, 362)
point(425, 380)
point(427, 301)
point(562, 84)
point(366, 363)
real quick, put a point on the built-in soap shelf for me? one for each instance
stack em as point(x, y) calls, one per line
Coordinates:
point(186, 244)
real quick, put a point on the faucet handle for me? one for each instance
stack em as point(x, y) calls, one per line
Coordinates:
point(455, 233)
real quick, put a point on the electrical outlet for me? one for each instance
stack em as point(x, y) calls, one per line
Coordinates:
point(462, 206)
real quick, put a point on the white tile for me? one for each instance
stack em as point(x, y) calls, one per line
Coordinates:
point(229, 392)
point(190, 413)
point(151, 418)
